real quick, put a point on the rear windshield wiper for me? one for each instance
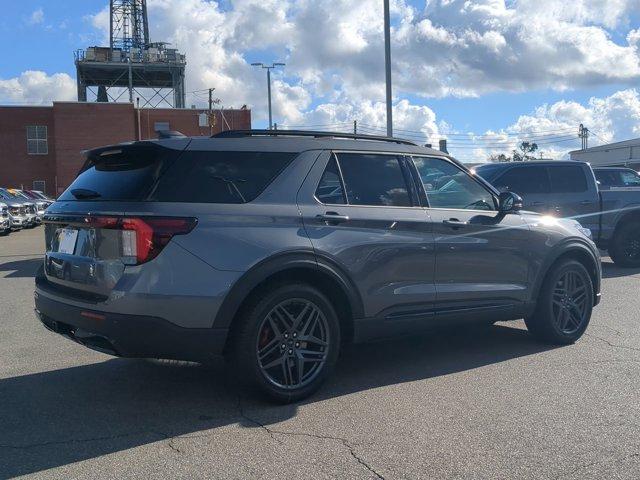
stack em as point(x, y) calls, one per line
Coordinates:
point(84, 194)
point(233, 188)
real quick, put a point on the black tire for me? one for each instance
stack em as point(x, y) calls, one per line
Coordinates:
point(256, 332)
point(625, 246)
point(565, 303)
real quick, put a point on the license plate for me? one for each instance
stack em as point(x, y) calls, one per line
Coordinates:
point(67, 240)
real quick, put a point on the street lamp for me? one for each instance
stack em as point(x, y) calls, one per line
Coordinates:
point(268, 68)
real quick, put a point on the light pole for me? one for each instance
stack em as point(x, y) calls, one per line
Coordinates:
point(387, 65)
point(268, 68)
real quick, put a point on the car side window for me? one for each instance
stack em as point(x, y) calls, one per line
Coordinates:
point(607, 178)
point(374, 179)
point(523, 180)
point(630, 179)
point(448, 186)
point(567, 179)
point(330, 189)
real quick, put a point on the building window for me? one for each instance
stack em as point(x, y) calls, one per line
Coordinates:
point(37, 143)
point(161, 127)
point(40, 186)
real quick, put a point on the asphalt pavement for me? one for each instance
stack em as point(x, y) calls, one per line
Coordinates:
point(486, 403)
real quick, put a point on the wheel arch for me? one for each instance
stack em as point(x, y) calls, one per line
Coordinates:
point(624, 218)
point(302, 266)
point(575, 250)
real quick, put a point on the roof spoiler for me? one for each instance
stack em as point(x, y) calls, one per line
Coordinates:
point(164, 134)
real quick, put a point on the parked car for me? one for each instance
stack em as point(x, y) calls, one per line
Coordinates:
point(42, 195)
point(617, 178)
point(276, 248)
point(36, 207)
point(17, 210)
point(5, 219)
point(569, 189)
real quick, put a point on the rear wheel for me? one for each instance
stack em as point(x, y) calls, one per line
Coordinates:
point(564, 304)
point(287, 342)
point(625, 246)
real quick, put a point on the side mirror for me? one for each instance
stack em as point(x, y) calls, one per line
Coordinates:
point(510, 202)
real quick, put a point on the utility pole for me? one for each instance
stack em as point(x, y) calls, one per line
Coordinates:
point(583, 133)
point(355, 127)
point(211, 111)
point(387, 63)
point(269, 96)
point(269, 68)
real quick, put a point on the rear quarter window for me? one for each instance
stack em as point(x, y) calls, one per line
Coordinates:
point(220, 177)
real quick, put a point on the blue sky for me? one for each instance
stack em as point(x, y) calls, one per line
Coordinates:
point(459, 66)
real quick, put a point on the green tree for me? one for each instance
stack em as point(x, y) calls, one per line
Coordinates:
point(526, 148)
point(500, 158)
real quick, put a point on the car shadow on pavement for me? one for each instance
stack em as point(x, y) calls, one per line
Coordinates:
point(59, 417)
point(21, 268)
point(611, 270)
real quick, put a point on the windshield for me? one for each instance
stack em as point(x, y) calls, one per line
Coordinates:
point(7, 195)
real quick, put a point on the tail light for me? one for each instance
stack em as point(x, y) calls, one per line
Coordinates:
point(143, 238)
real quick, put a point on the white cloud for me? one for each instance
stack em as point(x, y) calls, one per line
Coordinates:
point(555, 127)
point(36, 17)
point(334, 48)
point(36, 87)
point(335, 61)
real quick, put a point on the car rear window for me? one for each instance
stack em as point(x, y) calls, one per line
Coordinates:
point(120, 174)
point(220, 177)
point(524, 179)
point(567, 179)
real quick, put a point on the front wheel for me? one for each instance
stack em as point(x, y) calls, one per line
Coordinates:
point(564, 304)
point(287, 342)
point(625, 246)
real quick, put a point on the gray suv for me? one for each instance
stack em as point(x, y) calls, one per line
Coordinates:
point(274, 249)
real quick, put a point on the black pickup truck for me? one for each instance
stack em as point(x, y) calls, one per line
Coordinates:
point(570, 189)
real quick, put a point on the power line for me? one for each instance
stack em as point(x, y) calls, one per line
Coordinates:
point(491, 135)
point(503, 147)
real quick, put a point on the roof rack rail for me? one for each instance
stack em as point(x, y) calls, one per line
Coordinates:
point(308, 133)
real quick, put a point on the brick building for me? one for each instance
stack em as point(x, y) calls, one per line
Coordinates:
point(40, 147)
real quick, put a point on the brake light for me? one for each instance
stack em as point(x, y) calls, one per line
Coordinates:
point(143, 238)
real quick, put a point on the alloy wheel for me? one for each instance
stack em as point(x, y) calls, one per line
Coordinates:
point(293, 343)
point(631, 248)
point(569, 299)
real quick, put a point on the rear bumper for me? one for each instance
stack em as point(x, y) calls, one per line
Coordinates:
point(129, 335)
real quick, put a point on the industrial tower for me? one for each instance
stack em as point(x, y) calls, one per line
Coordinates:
point(131, 64)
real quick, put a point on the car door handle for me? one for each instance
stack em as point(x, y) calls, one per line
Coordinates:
point(586, 202)
point(537, 204)
point(454, 222)
point(332, 218)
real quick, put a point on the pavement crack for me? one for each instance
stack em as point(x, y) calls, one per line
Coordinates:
point(614, 345)
point(343, 441)
point(173, 446)
point(256, 422)
point(617, 332)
